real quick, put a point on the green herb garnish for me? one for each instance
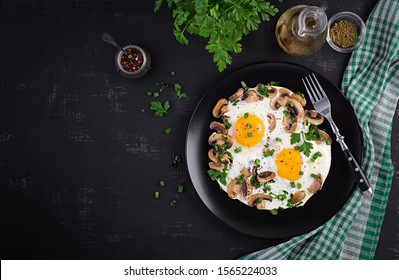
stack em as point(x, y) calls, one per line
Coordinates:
point(244, 85)
point(257, 161)
point(218, 175)
point(237, 150)
point(316, 156)
point(168, 131)
point(268, 153)
point(162, 183)
point(248, 125)
point(156, 195)
point(235, 102)
point(292, 184)
point(173, 203)
point(180, 188)
point(262, 89)
point(227, 125)
point(222, 23)
point(179, 91)
point(246, 115)
point(314, 176)
point(250, 134)
point(159, 109)
point(279, 139)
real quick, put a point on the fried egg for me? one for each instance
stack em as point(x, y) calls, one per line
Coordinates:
point(267, 150)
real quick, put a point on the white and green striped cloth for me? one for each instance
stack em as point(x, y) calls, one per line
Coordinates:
point(371, 83)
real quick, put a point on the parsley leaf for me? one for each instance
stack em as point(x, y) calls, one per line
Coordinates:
point(159, 109)
point(179, 91)
point(218, 175)
point(306, 147)
point(222, 23)
point(295, 138)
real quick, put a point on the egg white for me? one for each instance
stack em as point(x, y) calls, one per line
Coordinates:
point(247, 156)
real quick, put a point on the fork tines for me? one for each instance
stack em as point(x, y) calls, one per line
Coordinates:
point(314, 88)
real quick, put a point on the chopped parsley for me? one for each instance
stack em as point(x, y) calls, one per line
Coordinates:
point(292, 184)
point(258, 200)
point(263, 90)
point(168, 131)
point(227, 125)
point(240, 179)
point(273, 83)
point(268, 153)
point(179, 91)
point(218, 175)
point(234, 102)
point(173, 203)
point(257, 161)
point(244, 85)
point(316, 156)
point(246, 115)
point(237, 150)
point(314, 176)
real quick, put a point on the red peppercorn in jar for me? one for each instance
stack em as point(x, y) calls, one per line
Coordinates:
point(134, 63)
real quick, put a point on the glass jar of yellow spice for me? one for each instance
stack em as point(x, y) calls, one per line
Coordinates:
point(346, 32)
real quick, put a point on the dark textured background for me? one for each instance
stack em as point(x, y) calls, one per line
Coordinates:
point(79, 162)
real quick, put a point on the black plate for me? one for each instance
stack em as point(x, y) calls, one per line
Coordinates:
point(290, 222)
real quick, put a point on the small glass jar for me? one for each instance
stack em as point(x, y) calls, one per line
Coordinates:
point(358, 24)
point(302, 30)
point(135, 63)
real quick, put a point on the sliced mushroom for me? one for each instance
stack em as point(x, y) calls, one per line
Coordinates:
point(220, 139)
point(313, 117)
point(220, 108)
point(278, 102)
point(266, 176)
point(245, 172)
point(219, 127)
point(251, 96)
point(324, 137)
point(316, 185)
point(246, 188)
point(225, 159)
point(272, 90)
point(300, 98)
point(288, 124)
point(258, 198)
point(295, 108)
point(234, 189)
point(271, 119)
point(298, 196)
point(284, 92)
point(213, 155)
point(216, 165)
point(237, 94)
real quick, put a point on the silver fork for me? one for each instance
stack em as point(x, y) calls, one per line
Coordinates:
point(322, 105)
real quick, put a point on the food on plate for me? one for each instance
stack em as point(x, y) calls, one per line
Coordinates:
point(266, 148)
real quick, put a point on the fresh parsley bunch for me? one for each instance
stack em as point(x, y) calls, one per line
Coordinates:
point(222, 22)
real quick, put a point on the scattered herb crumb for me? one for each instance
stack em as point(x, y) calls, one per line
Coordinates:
point(162, 86)
point(180, 188)
point(142, 110)
point(149, 93)
point(156, 195)
point(162, 183)
point(168, 131)
point(179, 91)
point(172, 73)
point(173, 203)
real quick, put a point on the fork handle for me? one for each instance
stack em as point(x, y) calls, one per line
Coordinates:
point(360, 177)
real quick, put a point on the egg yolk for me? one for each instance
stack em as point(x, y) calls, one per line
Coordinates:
point(249, 130)
point(289, 164)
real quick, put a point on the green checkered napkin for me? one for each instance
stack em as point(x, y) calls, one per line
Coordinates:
point(371, 83)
